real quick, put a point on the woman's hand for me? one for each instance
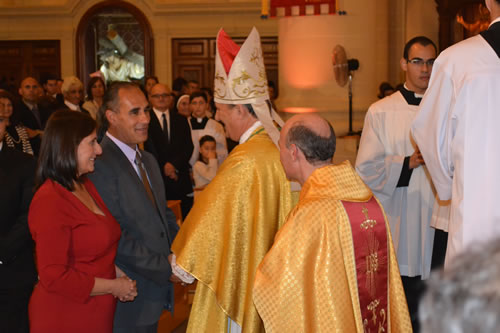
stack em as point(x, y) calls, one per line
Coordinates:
point(124, 289)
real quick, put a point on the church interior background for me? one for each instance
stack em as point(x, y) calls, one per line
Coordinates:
point(177, 38)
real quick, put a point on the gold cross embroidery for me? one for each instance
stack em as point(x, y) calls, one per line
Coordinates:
point(367, 223)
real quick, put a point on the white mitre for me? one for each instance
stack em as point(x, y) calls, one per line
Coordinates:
point(240, 78)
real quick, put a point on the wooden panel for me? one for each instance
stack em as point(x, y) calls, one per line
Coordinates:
point(20, 59)
point(192, 70)
point(194, 58)
point(191, 48)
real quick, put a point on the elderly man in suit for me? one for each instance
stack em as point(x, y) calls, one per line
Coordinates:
point(170, 141)
point(130, 183)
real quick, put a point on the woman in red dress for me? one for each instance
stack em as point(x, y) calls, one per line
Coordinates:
point(75, 235)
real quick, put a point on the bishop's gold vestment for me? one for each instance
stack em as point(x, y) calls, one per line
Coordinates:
point(308, 280)
point(229, 230)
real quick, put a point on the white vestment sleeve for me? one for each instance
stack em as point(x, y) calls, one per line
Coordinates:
point(378, 169)
point(434, 129)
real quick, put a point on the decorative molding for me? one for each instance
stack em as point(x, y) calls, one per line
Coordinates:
point(186, 7)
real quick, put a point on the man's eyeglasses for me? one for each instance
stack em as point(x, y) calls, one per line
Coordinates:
point(421, 62)
point(161, 95)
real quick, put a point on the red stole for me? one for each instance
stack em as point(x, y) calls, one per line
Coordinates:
point(369, 235)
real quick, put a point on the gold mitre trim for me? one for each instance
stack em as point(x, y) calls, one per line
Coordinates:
point(246, 82)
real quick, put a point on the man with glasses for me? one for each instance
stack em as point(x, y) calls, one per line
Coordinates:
point(170, 141)
point(390, 163)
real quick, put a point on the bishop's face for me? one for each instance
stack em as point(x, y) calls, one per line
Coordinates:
point(229, 116)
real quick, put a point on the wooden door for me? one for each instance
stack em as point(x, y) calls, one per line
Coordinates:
point(20, 59)
point(194, 58)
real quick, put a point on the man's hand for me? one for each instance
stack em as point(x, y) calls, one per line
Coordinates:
point(416, 159)
point(32, 133)
point(169, 171)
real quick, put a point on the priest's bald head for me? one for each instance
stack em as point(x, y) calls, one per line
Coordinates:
point(307, 142)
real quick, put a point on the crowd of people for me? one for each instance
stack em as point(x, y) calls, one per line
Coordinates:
point(278, 237)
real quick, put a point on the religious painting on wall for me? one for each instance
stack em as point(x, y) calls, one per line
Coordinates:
point(115, 45)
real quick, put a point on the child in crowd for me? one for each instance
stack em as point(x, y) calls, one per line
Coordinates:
point(205, 168)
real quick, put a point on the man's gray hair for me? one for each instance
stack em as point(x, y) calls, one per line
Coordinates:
point(316, 149)
point(465, 297)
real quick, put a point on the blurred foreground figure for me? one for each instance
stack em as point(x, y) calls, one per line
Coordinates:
point(466, 296)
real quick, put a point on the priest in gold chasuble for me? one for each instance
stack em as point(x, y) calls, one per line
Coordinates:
point(332, 267)
point(235, 218)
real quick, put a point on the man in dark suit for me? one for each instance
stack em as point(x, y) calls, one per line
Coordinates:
point(170, 142)
point(52, 99)
point(17, 267)
point(30, 113)
point(130, 183)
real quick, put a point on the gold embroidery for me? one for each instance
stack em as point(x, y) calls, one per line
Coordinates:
point(372, 263)
point(373, 308)
point(243, 89)
point(367, 223)
point(219, 80)
point(382, 324)
point(255, 56)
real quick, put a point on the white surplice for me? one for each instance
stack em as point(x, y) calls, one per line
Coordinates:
point(385, 142)
point(457, 130)
point(214, 129)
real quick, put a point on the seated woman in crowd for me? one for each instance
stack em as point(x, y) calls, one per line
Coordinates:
point(95, 92)
point(16, 136)
point(75, 235)
point(205, 168)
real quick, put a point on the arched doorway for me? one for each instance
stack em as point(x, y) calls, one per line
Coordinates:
point(114, 37)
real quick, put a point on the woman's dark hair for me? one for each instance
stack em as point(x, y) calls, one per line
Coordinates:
point(58, 160)
point(197, 94)
point(205, 138)
point(14, 117)
point(178, 84)
point(151, 77)
point(91, 84)
point(384, 86)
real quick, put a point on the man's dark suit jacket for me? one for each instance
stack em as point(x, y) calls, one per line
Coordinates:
point(27, 118)
point(17, 171)
point(177, 152)
point(147, 233)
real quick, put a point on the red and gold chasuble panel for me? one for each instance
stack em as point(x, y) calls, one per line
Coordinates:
point(369, 234)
